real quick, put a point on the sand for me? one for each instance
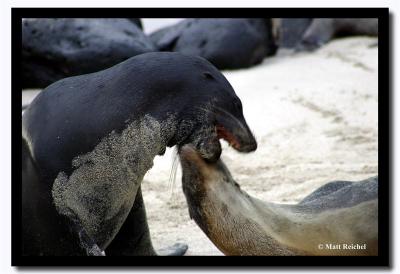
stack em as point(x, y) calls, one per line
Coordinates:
point(152, 24)
point(315, 117)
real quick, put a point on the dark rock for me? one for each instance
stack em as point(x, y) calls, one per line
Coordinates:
point(57, 48)
point(228, 43)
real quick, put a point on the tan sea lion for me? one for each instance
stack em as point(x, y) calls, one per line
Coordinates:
point(339, 218)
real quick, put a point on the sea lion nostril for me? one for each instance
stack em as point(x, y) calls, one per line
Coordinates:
point(252, 146)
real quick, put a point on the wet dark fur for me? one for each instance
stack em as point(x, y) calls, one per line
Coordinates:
point(228, 43)
point(322, 30)
point(71, 117)
point(55, 48)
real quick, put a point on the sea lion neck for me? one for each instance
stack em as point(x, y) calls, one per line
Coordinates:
point(111, 173)
point(239, 224)
point(221, 208)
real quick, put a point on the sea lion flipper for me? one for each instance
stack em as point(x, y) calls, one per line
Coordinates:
point(324, 190)
point(86, 243)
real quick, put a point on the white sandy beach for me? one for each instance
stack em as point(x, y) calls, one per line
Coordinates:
point(315, 117)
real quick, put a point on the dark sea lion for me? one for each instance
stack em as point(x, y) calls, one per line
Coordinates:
point(340, 218)
point(53, 49)
point(322, 30)
point(137, 22)
point(92, 138)
point(289, 31)
point(228, 43)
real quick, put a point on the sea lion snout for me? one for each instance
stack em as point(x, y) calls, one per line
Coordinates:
point(198, 170)
point(224, 122)
point(235, 131)
point(191, 159)
point(232, 130)
point(209, 148)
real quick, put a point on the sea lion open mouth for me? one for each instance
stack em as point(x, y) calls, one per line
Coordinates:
point(234, 129)
point(222, 125)
point(222, 133)
point(209, 147)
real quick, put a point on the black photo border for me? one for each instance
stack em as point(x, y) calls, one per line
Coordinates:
point(384, 141)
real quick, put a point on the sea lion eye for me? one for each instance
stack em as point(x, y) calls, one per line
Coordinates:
point(208, 75)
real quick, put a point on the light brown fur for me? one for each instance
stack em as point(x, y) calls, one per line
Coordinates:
point(239, 224)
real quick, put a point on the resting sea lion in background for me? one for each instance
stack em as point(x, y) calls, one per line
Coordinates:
point(228, 43)
point(289, 31)
point(330, 221)
point(93, 137)
point(322, 30)
point(55, 48)
point(137, 22)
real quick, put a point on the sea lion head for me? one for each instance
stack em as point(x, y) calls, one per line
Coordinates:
point(199, 176)
point(208, 109)
point(199, 173)
point(221, 120)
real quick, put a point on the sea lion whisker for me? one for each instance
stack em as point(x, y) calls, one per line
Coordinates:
point(174, 168)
